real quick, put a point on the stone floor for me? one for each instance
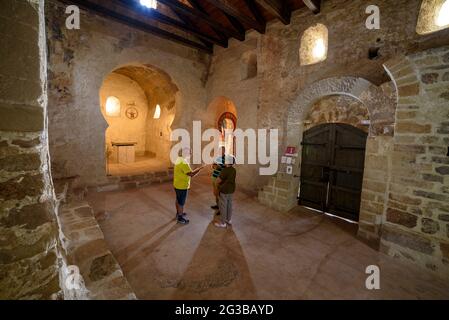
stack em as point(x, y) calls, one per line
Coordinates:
point(265, 255)
point(141, 165)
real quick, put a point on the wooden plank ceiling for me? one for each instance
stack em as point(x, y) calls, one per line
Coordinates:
point(198, 23)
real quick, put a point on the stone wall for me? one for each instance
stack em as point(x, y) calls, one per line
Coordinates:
point(379, 102)
point(29, 254)
point(280, 76)
point(411, 162)
point(416, 222)
point(77, 68)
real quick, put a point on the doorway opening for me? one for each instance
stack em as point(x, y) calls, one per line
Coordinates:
point(221, 114)
point(139, 105)
point(227, 124)
point(333, 157)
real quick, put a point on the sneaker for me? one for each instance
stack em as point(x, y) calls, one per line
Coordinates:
point(182, 220)
point(215, 207)
point(229, 222)
point(220, 225)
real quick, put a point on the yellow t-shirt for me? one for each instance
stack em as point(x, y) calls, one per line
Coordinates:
point(180, 178)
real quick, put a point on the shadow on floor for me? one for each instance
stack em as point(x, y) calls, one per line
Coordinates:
point(218, 263)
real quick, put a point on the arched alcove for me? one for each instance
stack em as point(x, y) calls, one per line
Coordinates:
point(141, 90)
point(221, 114)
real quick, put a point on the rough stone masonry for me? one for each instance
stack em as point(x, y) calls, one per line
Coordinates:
point(403, 92)
point(29, 253)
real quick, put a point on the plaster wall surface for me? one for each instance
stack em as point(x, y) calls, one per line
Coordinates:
point(122, 128)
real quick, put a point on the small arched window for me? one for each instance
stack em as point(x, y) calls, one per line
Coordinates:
point(112, 107)
point(314, 43)
point(157, 112)
point(150, 4)
point(433, 16)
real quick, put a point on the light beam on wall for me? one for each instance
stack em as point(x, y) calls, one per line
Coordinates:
point(151, 4)
point(443, 15)
point(112, 107)
point(314, 43)
point(319, 50)
point(157, 112)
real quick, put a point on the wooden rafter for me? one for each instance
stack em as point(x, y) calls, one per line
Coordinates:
point(156, 15)
point(195, 4)
point(235, 23)
point(313, 5)
point(278, 8)
point(100, 10)
point(229, 9)
point(252, 6)
point(197, 14)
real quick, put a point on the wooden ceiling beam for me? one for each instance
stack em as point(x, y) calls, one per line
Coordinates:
point(134, 23)
point(278, 8)
point(193, 24)
point(136, 8)
point(313, 5)
point(235, 23)
point(229, 9)
point(252, 6)
point(195, 4)
point(197, 14)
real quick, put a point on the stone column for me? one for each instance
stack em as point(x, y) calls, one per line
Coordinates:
point(29, 260)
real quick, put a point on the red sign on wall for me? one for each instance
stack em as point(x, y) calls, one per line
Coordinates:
point(290, 151)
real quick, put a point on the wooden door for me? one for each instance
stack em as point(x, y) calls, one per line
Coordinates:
point(333, 157)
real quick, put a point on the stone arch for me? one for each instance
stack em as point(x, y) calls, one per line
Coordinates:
point(404, 77)
point(358, 88)
point(281, 192)
point(218, 106)
point(144, 87)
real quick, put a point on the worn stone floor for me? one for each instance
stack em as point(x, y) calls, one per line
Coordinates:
point(141, 165)
point(265, 255)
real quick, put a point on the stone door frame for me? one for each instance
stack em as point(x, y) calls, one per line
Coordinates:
point(281, 193)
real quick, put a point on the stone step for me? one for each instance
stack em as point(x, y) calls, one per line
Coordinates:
point(87, 251)
point(134, 181)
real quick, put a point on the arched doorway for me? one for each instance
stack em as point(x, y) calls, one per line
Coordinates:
point(333, 156)
point(221, 114)
point(227, 123)
point(138, 103)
